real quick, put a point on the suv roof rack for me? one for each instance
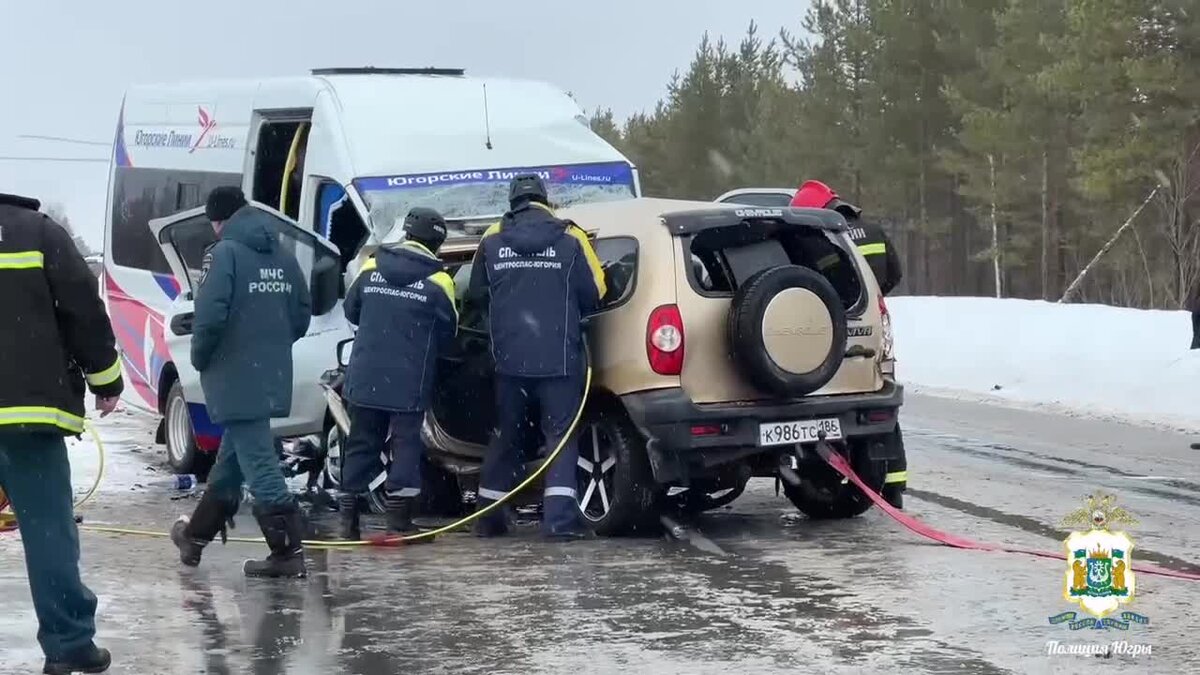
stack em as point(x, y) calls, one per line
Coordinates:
point(372, 70)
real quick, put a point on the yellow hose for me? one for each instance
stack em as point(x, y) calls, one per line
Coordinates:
point(100, 473)
point(383, 541)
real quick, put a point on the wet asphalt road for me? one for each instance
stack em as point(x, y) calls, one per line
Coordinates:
point(759, 590)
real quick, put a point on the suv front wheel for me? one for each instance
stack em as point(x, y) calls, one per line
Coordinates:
point(615, 484)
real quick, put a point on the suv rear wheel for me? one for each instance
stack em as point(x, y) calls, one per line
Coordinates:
point(823, 494)
point(615, 483)
point(335, 455)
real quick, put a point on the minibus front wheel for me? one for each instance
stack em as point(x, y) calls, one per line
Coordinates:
point(183, 453)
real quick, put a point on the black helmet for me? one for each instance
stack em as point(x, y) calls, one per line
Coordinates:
point(425, 226)
point(527, 187)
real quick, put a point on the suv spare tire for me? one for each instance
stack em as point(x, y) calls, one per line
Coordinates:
point(787, 330)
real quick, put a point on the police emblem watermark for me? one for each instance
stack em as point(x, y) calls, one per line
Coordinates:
point(1099, 577)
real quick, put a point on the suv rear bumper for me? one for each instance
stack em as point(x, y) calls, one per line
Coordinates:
point(667, 417)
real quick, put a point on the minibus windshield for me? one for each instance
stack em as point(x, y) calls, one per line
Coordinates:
point(482, 194)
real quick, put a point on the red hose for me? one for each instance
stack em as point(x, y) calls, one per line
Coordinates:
point(840, 465)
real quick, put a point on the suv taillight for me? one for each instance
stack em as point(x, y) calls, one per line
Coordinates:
point(885, 319)
point(664, 340)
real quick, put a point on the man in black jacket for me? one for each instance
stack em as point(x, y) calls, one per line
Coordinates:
point(54, 337)
point(403, 305)
point(872, 242)
point(539, 276)
point(874, 245)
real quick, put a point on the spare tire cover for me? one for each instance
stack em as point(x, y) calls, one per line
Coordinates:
point(787, 330)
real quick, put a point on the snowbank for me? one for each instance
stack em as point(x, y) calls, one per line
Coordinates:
point(1094, 359)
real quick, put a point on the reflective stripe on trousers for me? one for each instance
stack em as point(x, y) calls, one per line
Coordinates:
point(494, 495)
point(404, 492)
point(41, 415)
point(896, 477)
point(873, 249)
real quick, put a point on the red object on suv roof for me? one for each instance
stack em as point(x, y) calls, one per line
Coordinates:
point(813, 194)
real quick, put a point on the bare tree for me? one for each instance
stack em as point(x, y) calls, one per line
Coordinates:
point(1066, 296)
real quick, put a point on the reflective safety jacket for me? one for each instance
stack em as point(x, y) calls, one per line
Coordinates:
point(874, 245)
point(55, 335)
point(540, 276)
point(403, 304)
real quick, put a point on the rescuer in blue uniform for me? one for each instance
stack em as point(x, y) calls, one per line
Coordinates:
point(403, 304)
point(539, 277)
point(54, 337)
point(252, 304)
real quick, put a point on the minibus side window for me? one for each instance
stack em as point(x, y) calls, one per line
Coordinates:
point(191, 238)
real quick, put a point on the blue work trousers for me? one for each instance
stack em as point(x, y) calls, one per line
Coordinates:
point(36, 475)
point(248, 454)
point(558, 398)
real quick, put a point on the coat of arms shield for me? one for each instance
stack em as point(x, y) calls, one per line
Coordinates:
point(1099, 574)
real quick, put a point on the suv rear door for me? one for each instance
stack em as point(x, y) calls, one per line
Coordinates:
point(705, 286)
point(185, 236)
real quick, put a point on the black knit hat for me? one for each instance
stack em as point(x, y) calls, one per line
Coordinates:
point(223, 202)
point(425, 226)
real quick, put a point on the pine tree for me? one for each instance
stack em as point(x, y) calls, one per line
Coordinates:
point(1135, 65)
point(1039, 123)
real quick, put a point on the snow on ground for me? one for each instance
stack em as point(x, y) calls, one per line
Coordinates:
point(132, 461)
point(1089, 359)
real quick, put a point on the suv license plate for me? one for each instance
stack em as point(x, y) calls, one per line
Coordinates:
point(802, 431)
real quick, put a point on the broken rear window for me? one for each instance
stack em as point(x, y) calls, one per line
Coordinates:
point(723, 258)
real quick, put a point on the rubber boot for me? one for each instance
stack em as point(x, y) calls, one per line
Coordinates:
point(497, 523)
point(561, 520)
point(191, 535)
point(399, 517)
point(894, 494)
point(91, 659)
point(348, 528)
point(284, 531)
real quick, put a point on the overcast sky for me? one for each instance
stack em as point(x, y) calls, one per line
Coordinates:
point(64, 64)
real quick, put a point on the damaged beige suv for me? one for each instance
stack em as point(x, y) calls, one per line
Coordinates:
point(720, 353)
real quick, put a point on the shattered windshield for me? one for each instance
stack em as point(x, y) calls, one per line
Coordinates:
point(482, 195)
